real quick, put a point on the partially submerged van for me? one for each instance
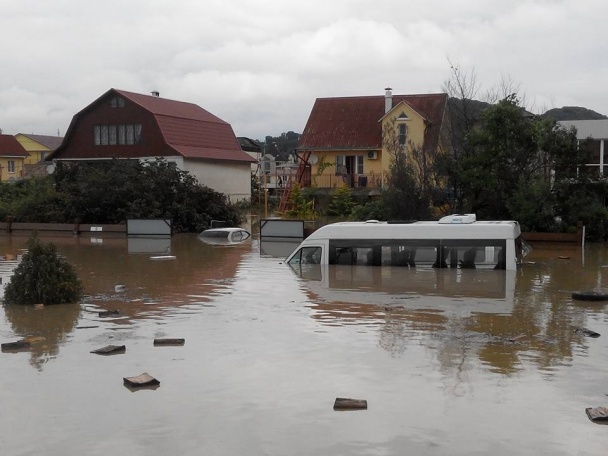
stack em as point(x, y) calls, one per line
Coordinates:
point(455, 241)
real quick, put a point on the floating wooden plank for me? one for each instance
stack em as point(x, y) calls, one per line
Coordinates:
point(586, 332)
point(142, 380)
point(597, 414)
point(343, 403)
point(110, 350)
point(517, 338)
point(169, 341)
point(109, 313)
point(163, 257)
point(87, 327)
point(19, 345)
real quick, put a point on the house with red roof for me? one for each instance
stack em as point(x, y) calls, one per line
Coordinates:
point(12, 158)
point(127, 125)
point(350, 136)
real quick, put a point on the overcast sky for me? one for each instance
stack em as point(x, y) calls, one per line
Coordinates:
point(260, 65)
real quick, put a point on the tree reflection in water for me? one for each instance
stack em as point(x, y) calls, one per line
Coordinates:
point(47, 327)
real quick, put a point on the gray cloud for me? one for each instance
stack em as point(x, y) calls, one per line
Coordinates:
point(260, 65)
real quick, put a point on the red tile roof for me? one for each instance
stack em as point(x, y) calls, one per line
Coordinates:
point(190, 130)
point(354, 122)
point(10, 147)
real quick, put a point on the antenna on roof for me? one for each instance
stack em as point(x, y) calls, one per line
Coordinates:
point(155, 93)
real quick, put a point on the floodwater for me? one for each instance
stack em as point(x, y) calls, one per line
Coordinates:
point(450, 362)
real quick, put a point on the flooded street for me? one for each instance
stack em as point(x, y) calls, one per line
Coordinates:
point(458, 362)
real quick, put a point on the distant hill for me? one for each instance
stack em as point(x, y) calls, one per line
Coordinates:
point(573, 113)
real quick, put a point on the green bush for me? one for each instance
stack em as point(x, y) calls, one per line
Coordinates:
point(42, 277)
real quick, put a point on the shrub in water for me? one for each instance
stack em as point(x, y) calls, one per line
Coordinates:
point(42, 277)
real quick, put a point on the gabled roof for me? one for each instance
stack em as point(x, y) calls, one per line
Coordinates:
point(187, 128)
point(354, 122)
point(10, 147)
point(50, 142)
point(191, 130)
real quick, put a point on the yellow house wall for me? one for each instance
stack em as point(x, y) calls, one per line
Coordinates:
point(415, 129)
point(328, 177)
point(5, 175)
point(34, 148)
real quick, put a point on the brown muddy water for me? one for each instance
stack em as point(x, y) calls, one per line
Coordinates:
point(450, 362)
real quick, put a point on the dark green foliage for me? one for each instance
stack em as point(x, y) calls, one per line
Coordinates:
point(584, 201)
point(375, 210)
point(32, 200)
point(404, 197)
point(281, 146)
point(533, 204)
point(43, 277)
point(113, 191)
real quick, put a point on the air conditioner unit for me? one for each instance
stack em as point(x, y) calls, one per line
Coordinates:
point(371, 155)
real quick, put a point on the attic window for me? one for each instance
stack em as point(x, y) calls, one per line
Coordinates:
point(403, 116)
point(117, 102)
point(402, 134)
point(121, 135)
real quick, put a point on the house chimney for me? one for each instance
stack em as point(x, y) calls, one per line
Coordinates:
point(388, 100)
point(156, 93)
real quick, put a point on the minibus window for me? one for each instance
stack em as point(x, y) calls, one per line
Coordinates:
point(307, 255)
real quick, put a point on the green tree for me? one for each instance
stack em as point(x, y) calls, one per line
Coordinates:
point(301, 206)
point(409, 185)
point(113, 191)
point(342, 203)
point(43, 277)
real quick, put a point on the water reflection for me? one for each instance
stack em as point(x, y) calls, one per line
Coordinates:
point(459, 314)
point(451, 362)
point(44, 327)
point(118, 274)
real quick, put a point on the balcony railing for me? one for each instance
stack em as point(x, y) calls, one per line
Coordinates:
point(368, 180)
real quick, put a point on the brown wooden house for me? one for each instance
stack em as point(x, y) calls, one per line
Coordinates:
point(127, 125)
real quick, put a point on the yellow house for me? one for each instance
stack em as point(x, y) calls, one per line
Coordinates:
point(12, 158)
point(38, 146)
point(351, 140)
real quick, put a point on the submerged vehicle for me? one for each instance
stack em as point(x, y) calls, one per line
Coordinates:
point(455, 241)
point(224, 235)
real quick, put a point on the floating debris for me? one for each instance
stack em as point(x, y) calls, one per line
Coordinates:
point(597, 414)
point(109, 313)
point(343, 403)
point(563, 257)
point(86, 327)
point(19, 345)
point(141, 381)
point(163, 257)
point(586, 332)
point(517, 338)
point(590, 296)
point(169, 341)
point(120, 288)
point(110, 350)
